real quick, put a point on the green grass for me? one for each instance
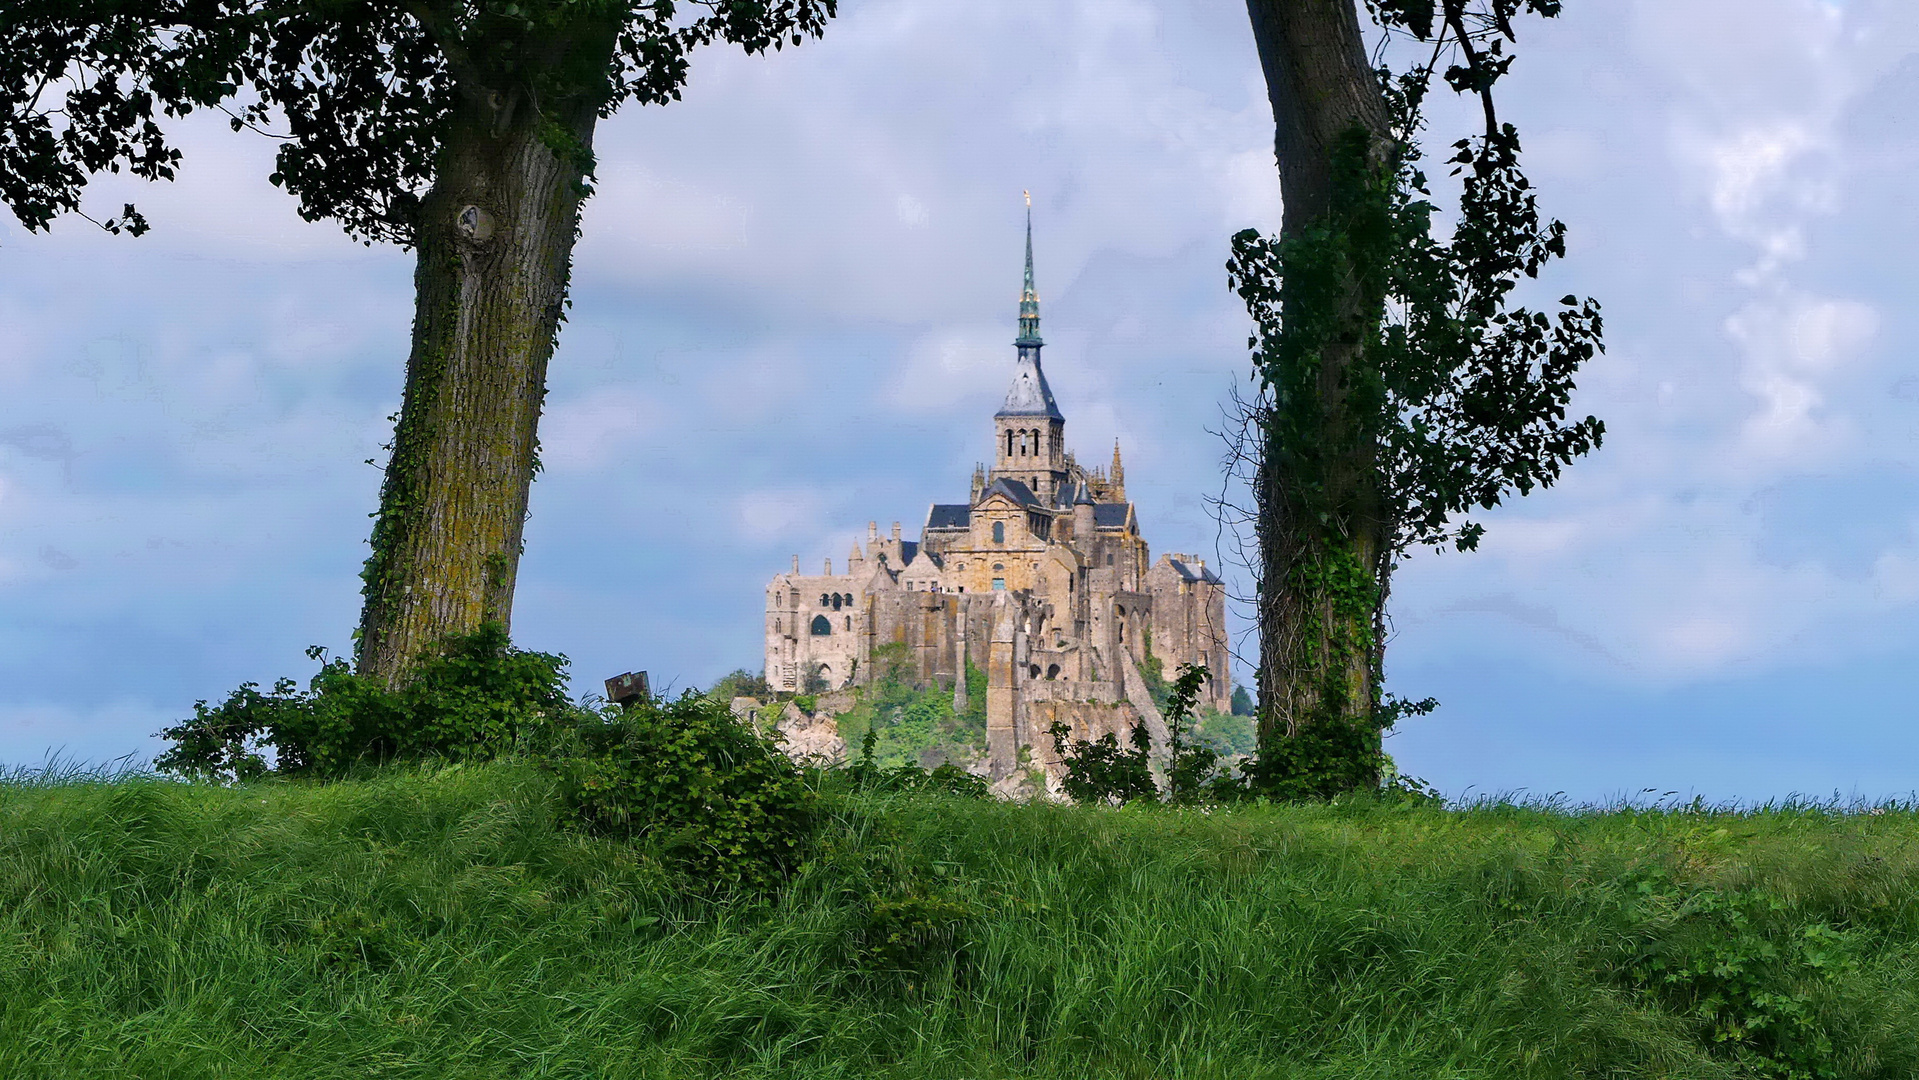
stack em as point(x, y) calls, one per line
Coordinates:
point(441, 924)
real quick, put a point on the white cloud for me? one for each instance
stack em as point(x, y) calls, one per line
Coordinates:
point(781, 513)
point(947, 365)
point(590, 433)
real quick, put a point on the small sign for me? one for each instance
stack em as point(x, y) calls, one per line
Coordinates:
point(627, 689)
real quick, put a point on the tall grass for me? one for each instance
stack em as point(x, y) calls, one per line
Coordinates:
point(431, 923)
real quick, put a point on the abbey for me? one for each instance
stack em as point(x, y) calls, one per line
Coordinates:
point(1041, 579)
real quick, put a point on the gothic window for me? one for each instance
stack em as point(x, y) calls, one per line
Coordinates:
point(836, 601)
point(999, 532)
point(825, 599)
point(1009, 443)
point(776, 626)
point(821, 627)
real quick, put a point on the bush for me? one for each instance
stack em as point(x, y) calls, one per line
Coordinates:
point(866, 774)
point(473, 697)
point(712, 796)
point(916, 725)
point(1745, 968)
point(1101, 771)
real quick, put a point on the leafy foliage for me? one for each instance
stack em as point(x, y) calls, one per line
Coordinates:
point(1737, 963)
point(474, 697)
point(908, 725)
point(1242, 702)
point(867, 774)
point(1102, 771)
point(360, 92)
point(708, 794)
point(1193, 769)
point(741, 683)
point(1401, 388)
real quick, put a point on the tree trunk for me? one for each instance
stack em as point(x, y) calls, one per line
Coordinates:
point(495, 239)
point(1323, 540)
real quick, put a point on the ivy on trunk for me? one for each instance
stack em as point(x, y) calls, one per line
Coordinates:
point(1399, 387)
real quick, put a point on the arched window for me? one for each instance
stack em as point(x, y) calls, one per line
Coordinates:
point(836, 601)
point(849, 622)
point(1052, 671)
point(999, 532)
point(821, 627)
point(1032, 671)
point(1009, 442)
point(825, 599)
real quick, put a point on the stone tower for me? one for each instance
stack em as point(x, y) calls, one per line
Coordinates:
point(1029, 431)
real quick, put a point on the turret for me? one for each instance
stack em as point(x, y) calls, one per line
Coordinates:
point(1083, 519)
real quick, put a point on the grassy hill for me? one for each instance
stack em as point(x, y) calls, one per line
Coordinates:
point(422, 923)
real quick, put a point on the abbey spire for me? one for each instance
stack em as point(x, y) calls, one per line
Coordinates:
point(1029, 395)
point(1028, 296)
point(1029, 432)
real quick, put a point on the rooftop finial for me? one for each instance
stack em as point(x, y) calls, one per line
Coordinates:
point(1028, 296)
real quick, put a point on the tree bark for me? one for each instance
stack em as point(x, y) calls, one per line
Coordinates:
point(1323, 540)
point(495, 240)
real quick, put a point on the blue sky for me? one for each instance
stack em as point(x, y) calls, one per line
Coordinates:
point(793, 311)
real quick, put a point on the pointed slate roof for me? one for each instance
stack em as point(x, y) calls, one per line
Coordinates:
point(1029, 395)
point(1190, 573)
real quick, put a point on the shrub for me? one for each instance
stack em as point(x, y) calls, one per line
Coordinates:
point(1100, 771)
point(471, 698)
point(1743, 969)
point(710, 795)
point(866, 774)
point(916, 725)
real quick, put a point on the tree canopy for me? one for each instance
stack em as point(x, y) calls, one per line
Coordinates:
point(359, 93)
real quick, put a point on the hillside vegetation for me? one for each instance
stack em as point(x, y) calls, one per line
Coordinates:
point(442, 923)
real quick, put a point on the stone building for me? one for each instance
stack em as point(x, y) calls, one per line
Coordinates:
point(1041, 579)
